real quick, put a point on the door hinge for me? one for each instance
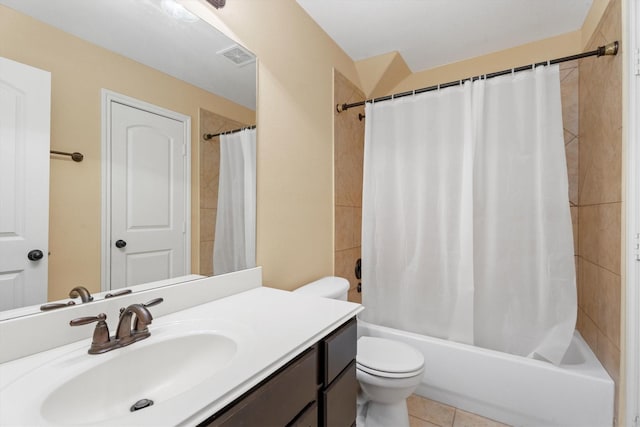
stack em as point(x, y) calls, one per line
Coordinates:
point(636, 62)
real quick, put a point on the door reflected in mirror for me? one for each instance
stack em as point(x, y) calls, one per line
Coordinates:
point(138, 50)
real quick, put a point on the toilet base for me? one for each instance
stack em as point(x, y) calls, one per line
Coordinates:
point(374, 414)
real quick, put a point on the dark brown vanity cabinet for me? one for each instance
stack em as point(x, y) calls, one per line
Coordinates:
point(339, 387)
point(317, 388)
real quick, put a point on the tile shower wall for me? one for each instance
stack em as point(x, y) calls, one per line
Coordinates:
point(209, 174)
point(348, 161)
point(600, 196)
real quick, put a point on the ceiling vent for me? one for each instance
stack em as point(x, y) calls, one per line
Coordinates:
point(238, 55)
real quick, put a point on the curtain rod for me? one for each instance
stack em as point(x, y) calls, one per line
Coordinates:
point(208, 136)
point(75, 156)
point(608, 49)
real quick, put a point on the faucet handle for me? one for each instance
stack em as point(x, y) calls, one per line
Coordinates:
point(117, 294)
point(86, 320)
point(54, 305)
point(101, 339)
point(153, 302)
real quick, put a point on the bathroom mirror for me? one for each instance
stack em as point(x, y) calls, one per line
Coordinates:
point(152, 51)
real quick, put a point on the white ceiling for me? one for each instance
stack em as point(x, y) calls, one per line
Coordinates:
point(430, 33)
point(143, 31)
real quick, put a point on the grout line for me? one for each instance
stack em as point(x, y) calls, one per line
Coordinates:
point(599, 266)
point(598, 204)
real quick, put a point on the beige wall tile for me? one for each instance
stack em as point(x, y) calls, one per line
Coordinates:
point(345, 262)
point(206, 258)
point(348, 163)
point(588, 233)
point(609, 305)
point(344, 228)
point(569, 94)
point(417, 422)
point(574, 223)
point(599, 196)
point(610, 27)
point(588, 330)
point(348, 145)
point(600, 177)
point(578, 262)
point(567, 66)
point(599, 234)
point(572, 154)
point(589, 289)
point(348, 225)
point(207, 224)
point(209, 173)
point(467, 419)
point(609, 356)
point(429, 410)
point(609, 234)
point(355, 296)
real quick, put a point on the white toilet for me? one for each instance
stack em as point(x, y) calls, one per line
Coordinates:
point(388, 371)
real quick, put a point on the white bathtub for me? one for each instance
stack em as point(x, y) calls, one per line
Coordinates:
point(512, 389)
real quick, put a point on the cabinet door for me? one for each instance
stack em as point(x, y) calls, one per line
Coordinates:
point(276, 401)
point(338, 401)
point(338, 350)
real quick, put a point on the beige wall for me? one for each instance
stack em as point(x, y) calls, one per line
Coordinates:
point(79, 71)
point(294, 136)
point(210, 123)
point(600, 198)
point(348, 164)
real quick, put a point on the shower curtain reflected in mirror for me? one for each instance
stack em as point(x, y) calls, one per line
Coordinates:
point(467, 231)
point(234, 246)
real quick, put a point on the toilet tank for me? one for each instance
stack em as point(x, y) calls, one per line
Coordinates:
point(328, 287)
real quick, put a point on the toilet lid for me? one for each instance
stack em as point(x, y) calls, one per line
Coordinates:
point(386, 356)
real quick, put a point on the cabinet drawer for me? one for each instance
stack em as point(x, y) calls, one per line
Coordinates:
point(338, 401)
point(338, 350)
point(278, 399)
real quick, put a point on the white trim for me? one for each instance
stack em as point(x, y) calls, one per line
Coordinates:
point(631, 44)
point(108, 97)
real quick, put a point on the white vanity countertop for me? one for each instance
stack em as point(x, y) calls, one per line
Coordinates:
point(270, 328)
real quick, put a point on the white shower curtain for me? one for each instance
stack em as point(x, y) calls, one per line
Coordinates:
point(234, 246)
point(466, 230)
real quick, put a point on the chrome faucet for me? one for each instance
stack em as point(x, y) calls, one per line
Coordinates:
point(130, 329)
point(82, 292)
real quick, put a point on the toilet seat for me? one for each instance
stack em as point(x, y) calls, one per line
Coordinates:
point(389, 359)
point(382, 374)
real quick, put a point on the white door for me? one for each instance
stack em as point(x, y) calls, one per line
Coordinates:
point(25, 111)
point(148, 197)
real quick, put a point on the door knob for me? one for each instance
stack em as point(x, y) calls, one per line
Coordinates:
point(35, 255)
point(120, 244)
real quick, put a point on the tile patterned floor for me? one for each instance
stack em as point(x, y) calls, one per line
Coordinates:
point(429, 413)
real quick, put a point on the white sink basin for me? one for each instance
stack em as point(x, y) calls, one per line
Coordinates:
point(76, 388)
point(158, 371)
